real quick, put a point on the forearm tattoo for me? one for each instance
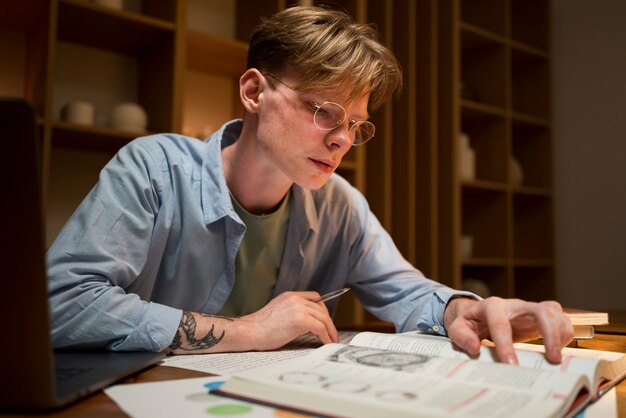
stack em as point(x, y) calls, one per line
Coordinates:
point(187, 332)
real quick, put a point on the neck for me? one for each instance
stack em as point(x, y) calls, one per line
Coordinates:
point(256, 184)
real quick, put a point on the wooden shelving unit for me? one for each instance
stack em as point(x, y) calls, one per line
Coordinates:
point(186, 80)
point(495, 65)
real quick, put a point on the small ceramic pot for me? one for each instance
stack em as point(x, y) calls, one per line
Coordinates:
point(78, 112)
point(516, 173)
point(129, 117)
point(467, 246)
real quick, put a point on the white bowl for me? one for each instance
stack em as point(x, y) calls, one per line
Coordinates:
point(129, 117)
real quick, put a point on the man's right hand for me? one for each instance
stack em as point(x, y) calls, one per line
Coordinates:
point(283, 319)
point(288, 316)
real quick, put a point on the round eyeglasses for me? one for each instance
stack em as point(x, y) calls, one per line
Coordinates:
point(331, 115)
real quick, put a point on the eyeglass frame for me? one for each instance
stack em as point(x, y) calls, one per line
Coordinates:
point(351, 122)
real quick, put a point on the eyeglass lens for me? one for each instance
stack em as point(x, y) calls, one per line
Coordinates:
point(329, 115)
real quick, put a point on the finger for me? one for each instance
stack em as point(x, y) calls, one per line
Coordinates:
point(566, 328)
point(555, 327)
point(323, 317)
point(464, 329)
point(568, 332)
point(328, 333)
point(310, 295)
point(464, 336)
point(305, 294)
point(499, 327)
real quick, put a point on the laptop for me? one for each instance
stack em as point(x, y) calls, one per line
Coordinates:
point(34, 376)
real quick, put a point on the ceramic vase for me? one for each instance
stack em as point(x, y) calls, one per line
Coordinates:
point(78, 112)
point(467, 159)
point(516, 173)
point(129, 117)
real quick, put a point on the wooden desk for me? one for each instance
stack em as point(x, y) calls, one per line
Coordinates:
point(101, 406)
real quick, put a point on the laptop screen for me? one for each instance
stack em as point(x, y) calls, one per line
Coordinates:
point(26, 350)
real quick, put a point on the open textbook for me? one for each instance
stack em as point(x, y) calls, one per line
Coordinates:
point(415, 374)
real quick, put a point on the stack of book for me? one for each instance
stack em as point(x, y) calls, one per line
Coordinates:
point(585, 321)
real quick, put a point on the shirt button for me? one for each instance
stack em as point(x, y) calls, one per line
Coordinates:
point(436, 328)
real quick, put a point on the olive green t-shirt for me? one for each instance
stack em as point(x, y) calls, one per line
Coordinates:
point(258, 260)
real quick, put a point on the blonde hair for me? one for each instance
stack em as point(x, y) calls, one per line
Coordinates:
point(326, 50)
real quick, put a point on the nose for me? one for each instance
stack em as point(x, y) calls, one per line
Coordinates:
point(340, 137)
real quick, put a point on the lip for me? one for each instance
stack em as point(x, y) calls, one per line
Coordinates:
point(327, 166)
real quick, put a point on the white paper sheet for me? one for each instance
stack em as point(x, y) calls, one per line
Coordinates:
point(187, 398)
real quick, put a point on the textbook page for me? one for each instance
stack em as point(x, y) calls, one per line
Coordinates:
point(576, 361)
point(609, 370)
point(364, 382)
point(227, 363)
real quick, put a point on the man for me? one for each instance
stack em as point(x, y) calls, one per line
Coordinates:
point(227, 244)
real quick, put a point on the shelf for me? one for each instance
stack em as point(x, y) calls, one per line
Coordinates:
point(202, 50)
point(483, 37)
point(149, 40)
point(481, 110)
point(124, 32)
point(483, 69)
point(533, 262)
point(530, 21)
point(489, 15)
point(532, 191)
point(485, 262)
point(534, 283)
point(530, 82)
point(532, 148)
point(531, 120)
point(90, 138)
point(485, 185)
point(530, 50)
point(484, 217)
point(532, 227)
point(487, 134)
point(495, 278)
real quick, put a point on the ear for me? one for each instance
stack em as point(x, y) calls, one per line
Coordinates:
point(251, 85)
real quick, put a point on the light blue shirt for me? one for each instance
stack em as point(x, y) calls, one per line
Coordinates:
point(158, 235)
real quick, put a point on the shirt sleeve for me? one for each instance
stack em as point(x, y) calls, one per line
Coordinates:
point(388, 285)
point(101, 250)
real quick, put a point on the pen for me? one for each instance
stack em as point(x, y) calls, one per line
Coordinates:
point(332, 295)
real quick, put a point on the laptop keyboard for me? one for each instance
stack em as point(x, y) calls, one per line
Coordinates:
point(64, 373)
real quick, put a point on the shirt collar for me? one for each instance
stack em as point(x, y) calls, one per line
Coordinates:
point(306, 211)
point(215, 198)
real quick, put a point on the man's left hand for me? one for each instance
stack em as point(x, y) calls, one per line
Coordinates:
point(505, 321)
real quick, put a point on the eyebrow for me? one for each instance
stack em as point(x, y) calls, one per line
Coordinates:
point(365, 117)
